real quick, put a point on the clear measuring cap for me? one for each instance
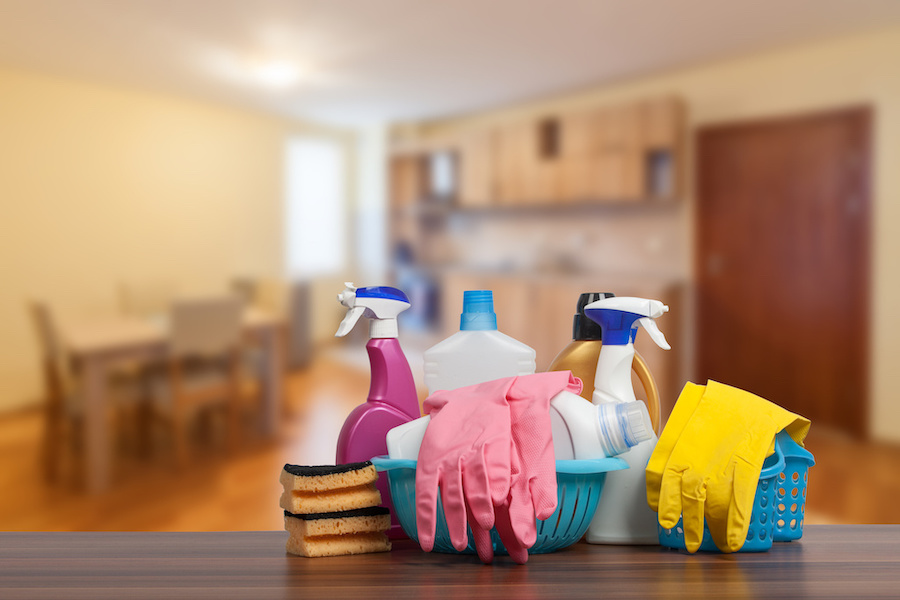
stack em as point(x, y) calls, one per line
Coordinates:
point(624, 425)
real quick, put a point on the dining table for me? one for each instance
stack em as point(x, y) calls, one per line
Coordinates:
point(830, 561)
point(98, 345)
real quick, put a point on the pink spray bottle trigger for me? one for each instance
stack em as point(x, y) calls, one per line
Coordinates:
point(392, 398)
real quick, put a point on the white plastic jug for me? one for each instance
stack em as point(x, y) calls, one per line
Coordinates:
point(477, 352)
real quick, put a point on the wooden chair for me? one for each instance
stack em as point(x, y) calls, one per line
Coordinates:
point(63, 436)
point(204, 369)
point(61, 410)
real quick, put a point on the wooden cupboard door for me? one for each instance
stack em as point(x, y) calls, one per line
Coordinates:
point(618, 175)
point(502, 162)
point(662, 123)
point(618, 128)
point(477, 169)
point(407, 180)
point(512, 143)
point(576, 151)
point(547, 181)
point(532, 172)
point(619, 162)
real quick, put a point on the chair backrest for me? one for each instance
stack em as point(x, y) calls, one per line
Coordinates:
point(205, 327)
point(146, 298)
point(49, 344)
point(57, 378)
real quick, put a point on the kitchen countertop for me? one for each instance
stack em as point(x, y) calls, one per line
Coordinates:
point(831, 561)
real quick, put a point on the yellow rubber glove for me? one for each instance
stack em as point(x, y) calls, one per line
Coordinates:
point(681, 414)
point(714, 466)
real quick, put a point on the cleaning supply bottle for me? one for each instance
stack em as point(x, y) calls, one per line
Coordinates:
point(623, 515)
point(392, 396)
point(581, 430)
point(581, 355)
point(477, 352)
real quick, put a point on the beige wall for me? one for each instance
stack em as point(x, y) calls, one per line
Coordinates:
point(100, 185)
point(849, 71)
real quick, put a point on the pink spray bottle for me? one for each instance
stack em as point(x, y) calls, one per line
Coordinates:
point(392, 399)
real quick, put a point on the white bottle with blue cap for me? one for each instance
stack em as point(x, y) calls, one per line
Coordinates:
point(477, 352)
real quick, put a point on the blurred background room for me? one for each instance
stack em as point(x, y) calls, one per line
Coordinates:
point(185, 186)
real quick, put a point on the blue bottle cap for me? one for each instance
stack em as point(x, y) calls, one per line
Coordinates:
point(478, 311)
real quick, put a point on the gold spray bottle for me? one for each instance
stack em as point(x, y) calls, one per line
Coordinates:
point(581, 355)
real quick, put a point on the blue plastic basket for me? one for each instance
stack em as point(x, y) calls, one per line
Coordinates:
point(761, 533)
point(579, 483)
point(790, 493)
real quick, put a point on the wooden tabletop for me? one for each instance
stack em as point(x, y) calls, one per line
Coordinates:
point(835, 561)
point(121, 332)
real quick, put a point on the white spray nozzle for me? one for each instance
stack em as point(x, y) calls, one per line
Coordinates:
point(348, 295)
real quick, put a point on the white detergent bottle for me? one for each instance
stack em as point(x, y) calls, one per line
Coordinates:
point(580, 430)
point(623, 516)
point(477, 352)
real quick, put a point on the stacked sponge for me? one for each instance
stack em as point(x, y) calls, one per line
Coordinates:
point(333, 510)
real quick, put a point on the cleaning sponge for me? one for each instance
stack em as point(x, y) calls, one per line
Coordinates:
point(332, 510)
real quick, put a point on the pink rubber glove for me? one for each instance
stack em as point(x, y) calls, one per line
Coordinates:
point(465, 452)
point(533, 493)
point(490, 448)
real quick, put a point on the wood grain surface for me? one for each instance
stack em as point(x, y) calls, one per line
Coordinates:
point(840, 561)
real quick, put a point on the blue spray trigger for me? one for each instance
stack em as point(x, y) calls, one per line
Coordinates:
point(382, 291)
point(619, 326)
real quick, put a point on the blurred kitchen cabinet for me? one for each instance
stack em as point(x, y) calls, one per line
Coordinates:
point(619, 160)
point(408, 181)
point(618, 128)
point(530, 166)
point(548, 161)
point(576, 152)
point(618, 176)
point(662, 122)
point(512, 143)
point(626, 153)
point(477, 168)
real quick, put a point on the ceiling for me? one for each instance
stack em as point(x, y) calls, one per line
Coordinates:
point(363, 61)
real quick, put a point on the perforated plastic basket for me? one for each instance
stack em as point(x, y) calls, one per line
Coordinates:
point(761, 533)
point(790, 492)
point(579, 483)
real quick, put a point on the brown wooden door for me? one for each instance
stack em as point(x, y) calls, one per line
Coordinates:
point(783, 262)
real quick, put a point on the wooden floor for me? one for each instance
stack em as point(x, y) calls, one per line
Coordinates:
point(853, 482)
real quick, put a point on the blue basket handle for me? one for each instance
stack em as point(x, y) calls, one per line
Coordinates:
point(773, 465)
point(385, 463)
point(590, 465)
point(600, 465)
point(792, 449)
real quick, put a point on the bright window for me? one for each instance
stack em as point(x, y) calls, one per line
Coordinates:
point(316, 219)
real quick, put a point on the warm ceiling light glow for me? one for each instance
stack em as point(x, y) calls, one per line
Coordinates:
point(277, 74)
